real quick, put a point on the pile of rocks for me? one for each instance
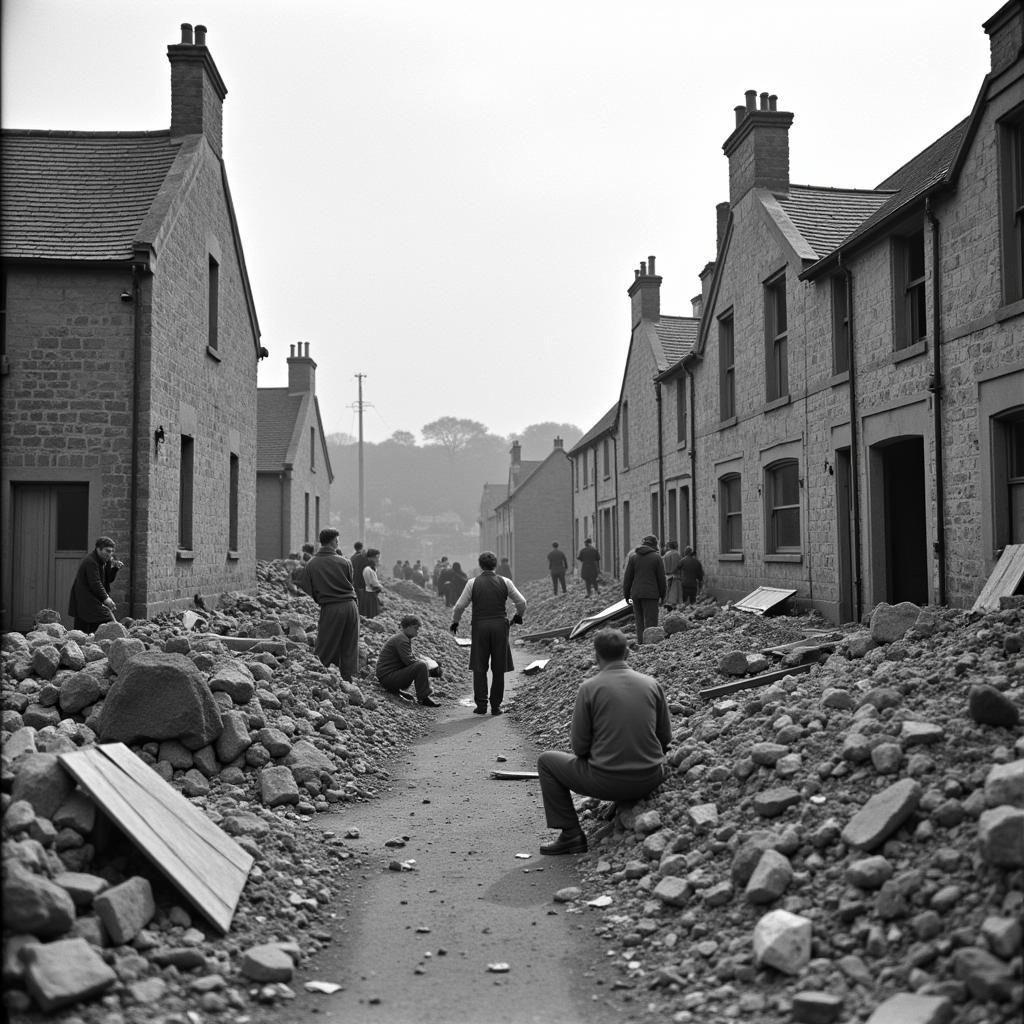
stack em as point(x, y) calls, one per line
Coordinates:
point(258, 734)
point(841, 843)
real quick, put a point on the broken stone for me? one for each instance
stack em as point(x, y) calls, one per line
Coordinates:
point(770, 879)
point(1001, 836)
point(43, 783)
point(783, 940)
point(913, 734)
point(34, 904)
point(83, 888)
point(1004, 784)
point(869, 872)
point(78, 692)
point(909, 1008)
point(234, 740)
point(1003, 935)
point(987, 977)
point(278, 786)
point(816, 1007)
point(77, 812)
point(989, 706)
point(307, 762)
point(64, 972)
point(267, 963)
point(673, 891)
point(235, 680)
point(126, 908)
point(770, 803)
point(733, 664)
point(891, 622)
point(882, 815)
point(121, 651)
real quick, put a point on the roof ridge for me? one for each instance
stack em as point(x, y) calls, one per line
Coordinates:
point(58, 133)
point(917, 156)
point(843, 189)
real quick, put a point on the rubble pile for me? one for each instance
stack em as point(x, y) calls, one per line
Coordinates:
point(837, 845)
point(231, 707)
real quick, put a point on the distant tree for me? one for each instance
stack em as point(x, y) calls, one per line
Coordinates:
point(340, 439)
point(538, 439)
point(403, 437)
point(452, 433)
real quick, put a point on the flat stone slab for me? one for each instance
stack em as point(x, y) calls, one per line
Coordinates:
point(909, 1008)
point(61, 973)
point(772, 802)
point(882, 815)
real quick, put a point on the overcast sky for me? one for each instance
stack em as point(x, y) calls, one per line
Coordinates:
point(451, 197)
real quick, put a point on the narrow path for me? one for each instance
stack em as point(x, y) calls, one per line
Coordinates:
point(414, 947)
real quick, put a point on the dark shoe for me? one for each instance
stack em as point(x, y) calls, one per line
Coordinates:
point(480, 709)
point(496, 710)
point(575, 842)
point(429, 702)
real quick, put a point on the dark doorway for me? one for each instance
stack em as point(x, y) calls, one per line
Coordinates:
point(844, 536)
point(906, 530)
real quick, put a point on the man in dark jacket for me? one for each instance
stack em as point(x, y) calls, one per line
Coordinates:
point(590, 562)
point(90, 603)
point(397, 666)
point(557, 566)
point(643, 584)
point(327, 578)
point(359, 562)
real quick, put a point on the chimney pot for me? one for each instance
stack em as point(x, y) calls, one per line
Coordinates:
point(773, 102)
point(764, 100)
point(186, 34)
point(741, 112)
point(558, 442)
point(650, 265)
point(643, 269)
point(291, 352)
point(636, 275)
point(200, 35)
point(751, 95)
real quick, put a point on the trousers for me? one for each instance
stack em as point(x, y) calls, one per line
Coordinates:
point(337, 637)
point(490, 649)
point(416, 674)
point(645, 614)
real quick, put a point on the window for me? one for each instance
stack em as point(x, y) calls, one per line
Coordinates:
point(840, 326)
point(233, 503)
point(186, 477)
point(1008, 478)
point(726, 368)
point(683, 536)
point(586, 470)
point(625, 526)
point(305, 528)
point(671, 527)
point(213, 303)
point(731, 513)
point(911, 308)
point(1012, 209)
point(681, 411)
point(576, 471)
point(782, 502)
point(776, 339)
point(606, 454)
point(312, 448)
point(625, 434)
point(316, 520)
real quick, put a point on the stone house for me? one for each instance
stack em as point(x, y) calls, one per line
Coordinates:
point(129, 356)
point(595, 477)
point(537, 511)
point(859, 375)
point(492, 496)
point(293, 466)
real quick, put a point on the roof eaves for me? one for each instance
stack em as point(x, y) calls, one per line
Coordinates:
point(788, 232)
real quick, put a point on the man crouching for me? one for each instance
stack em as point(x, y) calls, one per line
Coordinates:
point(398, 667)
point(620, 732)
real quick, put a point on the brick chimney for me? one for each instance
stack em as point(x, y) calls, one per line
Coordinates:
point(516, 452)
point(1006, 35)
point(645, 293)
point(197, 90)
point(697, 306)
point(301, 370)
point(559, 444)
point(758, 149)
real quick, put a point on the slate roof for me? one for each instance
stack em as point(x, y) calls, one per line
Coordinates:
point(276, 413)
point(79, 195)
point(605, 423)
point(825, 216)
point(678, 335)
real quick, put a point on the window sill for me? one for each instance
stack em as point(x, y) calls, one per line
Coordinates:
point(213, 354)
point(730, 556)
point(730, 422)
point(776, 403)
point(794, 557)
point(233, 556)
point(839, 378)
point(184, 555)
point(910, 352)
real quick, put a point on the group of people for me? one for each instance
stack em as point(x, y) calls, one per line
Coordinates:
point(652, 579)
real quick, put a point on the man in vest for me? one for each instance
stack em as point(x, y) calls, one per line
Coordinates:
point(488, 594)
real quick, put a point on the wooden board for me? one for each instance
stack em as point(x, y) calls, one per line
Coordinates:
point(612, 613)
point(204, 863)
point(535, 666)
point(823, 640)
point(1004, 579)
point(464, 641)
point(548, 634)
point(763, 599)
point(713, 692)
point(511, 776)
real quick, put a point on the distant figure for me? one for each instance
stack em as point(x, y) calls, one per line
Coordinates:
point(89, 602)
point(327, 578)
point(397, 571)
point(557, 566)
point(505, 568)
point(488, 594)
point(419, 577)
point(455, 582)
point(292, 565)
point(673, 585)
point(372, 588)
point(620, 732)
point(407, 571)
point(643, 584)
point(307, 552)
point(358, 559)
point(590, 562)
point(691, 576)
point(397, 666)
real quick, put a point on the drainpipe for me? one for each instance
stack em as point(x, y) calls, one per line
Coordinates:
point(935, 386)
point(594, 530)
point(661, 466)
point(618, 511)
point(133, 509)
point(693, 463)
point(285, 540)
point(854, 454)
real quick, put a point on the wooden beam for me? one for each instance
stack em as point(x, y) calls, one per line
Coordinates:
point(752, 682)
point(1003, 580)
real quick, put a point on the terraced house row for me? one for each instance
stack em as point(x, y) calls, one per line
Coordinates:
point(843, 413)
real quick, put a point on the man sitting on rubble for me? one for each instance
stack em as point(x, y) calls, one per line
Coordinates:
point(620, 732)
point(398, 667)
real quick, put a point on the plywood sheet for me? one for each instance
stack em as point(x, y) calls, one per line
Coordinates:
point(763, 599)
point(205, 864)
point(612, 613)
point(1004, 579)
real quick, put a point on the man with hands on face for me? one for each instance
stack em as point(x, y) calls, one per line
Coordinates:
point(90, 603)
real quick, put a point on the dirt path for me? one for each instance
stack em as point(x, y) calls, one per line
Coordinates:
point(413, 947)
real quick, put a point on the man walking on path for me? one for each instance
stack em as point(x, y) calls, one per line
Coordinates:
point(397, 666)
point(557, 566)
point(643, 583)
point(90, 603)
point(590, 561)
point(359, 559)
point(488, 593)
point(691, 576)
point(620, 732)
point(327, 578)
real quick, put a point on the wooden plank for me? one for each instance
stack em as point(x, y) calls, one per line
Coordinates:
point(823, 641)
point(186, 812)
point(612, 613)
point(753, 681)
point(548, 634)
point(1003, 580)
point(511, 776)
point(763, 599)
point(464, 641)
point(535, 666)
point(204, 877)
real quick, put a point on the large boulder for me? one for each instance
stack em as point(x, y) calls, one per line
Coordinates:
point(35, 905)
point(891, 622)
point(160, 696)
point(42, 782)
point(307, 763)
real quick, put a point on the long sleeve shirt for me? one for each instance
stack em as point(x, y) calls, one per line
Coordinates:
point(371, 581)
point(395, 654)
point(327, 577)
point(467, 596)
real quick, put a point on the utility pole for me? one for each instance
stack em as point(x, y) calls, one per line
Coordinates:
point(359, 409)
